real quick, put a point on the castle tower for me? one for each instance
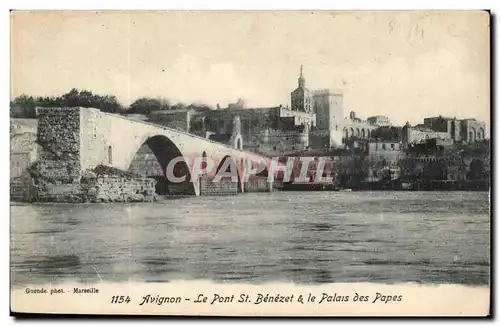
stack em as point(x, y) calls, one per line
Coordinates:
point(301, 97)
point(406, 134)
point(328, 106)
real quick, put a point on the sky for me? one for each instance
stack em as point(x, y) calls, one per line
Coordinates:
point(405, 65)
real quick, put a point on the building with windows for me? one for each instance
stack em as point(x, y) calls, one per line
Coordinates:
point(449, 130)
point(315, 120)
point(356, 128)
point(379, 121)
point(466, 130)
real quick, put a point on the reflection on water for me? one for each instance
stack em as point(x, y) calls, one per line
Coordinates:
point(310, 237)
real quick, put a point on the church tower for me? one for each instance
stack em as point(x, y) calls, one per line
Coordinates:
point(301, 98)
point(302, 80)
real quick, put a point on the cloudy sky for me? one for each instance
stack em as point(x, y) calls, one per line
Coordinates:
point(406, 65)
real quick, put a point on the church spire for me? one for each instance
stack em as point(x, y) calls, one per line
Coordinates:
point(302, 80)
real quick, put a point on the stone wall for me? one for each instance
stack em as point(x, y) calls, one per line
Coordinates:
point(59, 193)
point(19, 162)
point(116, 189)
point(388, 151)
point(224, 187)
point(58, 135)
point(96, 145)
point(56, 174)
point(284, 140)
point(258, 184)
point(22, 188)
point(325, 139)
point(23, 146)
point(185, 188)
point(145, 163)
point(417, 135)
point(95, 190)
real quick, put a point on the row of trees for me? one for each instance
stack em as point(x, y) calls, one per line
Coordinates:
point(387, 133)
point(24, 106)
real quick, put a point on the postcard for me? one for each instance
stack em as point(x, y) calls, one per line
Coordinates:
point(250, 163)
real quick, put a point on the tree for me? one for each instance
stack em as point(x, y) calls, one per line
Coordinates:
point(24, 106)
point(179, 106)
point(476, 171)
point(109, 103)
point(84, 98)
point(387, 133)
point(435, 170)
point(199, 107)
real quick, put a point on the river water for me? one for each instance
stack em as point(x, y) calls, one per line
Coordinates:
point(301, 237)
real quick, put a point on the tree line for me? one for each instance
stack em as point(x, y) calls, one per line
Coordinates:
point(24, 106)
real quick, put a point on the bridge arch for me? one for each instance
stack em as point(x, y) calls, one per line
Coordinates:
point(170, 161)
point(230, 163)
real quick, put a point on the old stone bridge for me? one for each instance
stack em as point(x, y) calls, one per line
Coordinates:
point(75, 140)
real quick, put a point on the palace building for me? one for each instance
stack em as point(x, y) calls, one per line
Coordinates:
point(315, 119)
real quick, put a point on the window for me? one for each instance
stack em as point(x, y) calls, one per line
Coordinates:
point(392, 147)
point(383, 147)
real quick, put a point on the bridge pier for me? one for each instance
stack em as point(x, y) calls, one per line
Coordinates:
point(258, 184)
point(224, 187)
point(183, 189)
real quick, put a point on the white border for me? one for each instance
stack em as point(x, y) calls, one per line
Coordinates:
point(255, 5)
point(192, 5)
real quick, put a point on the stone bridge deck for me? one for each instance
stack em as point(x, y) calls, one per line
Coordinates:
point(75, 140)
